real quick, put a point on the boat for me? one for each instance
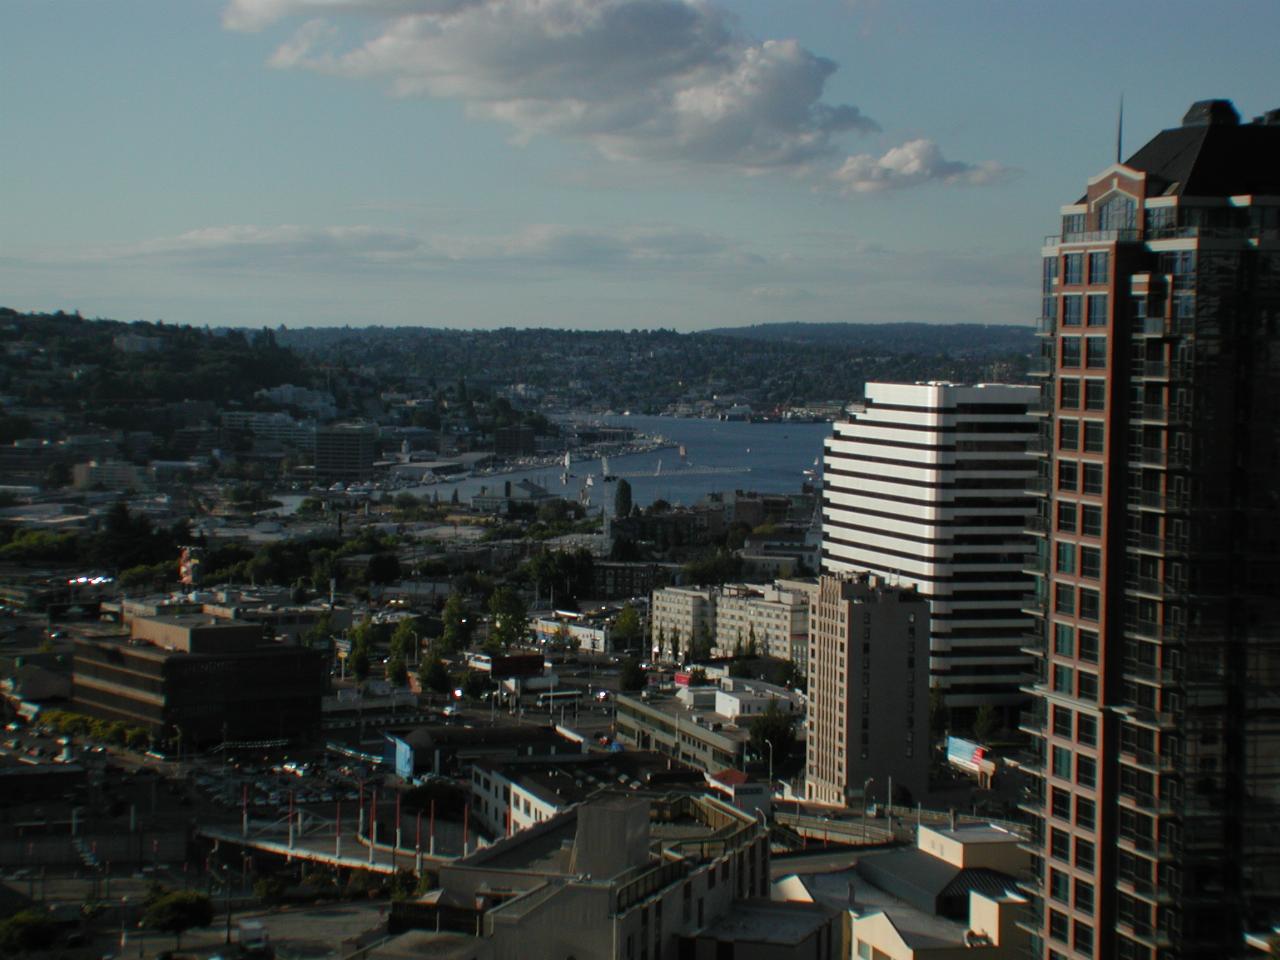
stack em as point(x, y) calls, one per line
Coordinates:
point(605, 475)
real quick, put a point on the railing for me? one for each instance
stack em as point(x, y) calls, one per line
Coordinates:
point(1147, 671)
point(1159, 632)
point(1148, 585)
point(1036, 524)
point(1126, 235)
point(1039, 485)
point(1040, 367)
point(1158, 501)
point(1046, 325)
point(1152, 370)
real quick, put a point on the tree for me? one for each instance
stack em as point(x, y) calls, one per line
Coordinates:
point(457, 623)
point(178, 912)
point(632, 677)
point(509, 618)
point(622, 499)
point(360, 662)
point(397, 672)
point(985, 723)
point(627, 630)
point(27, 930)
point(433, 676)
point(752, 648)
point(382, 568)
point(938, 718)
point(660, 645)
point(776, 727)
point(404, 638)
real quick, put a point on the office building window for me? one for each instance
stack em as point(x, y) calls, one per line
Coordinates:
point(1097, 316)
point(1095, 433)
point(1099, 267)
point(1095, 394)
point(1095, 353)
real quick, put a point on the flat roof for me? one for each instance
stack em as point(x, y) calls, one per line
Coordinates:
point(765, 921)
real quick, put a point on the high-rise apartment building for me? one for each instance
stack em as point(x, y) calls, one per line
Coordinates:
point(868, 714)
point(1157, 713)
point(927, 483)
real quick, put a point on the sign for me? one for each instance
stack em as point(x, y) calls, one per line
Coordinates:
point(965, 754)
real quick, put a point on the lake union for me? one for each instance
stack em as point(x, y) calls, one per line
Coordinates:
point(719, 455)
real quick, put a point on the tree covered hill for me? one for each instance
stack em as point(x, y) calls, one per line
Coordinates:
point(958, 339)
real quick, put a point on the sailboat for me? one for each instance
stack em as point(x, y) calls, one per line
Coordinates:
point(564, 477)
point(604, 471)
point(658, 472)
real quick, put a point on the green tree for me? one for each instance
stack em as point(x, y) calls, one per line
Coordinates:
point(632, 677)
point(938, 712)
point(660, 645)
point(622, 499)
point(509, 618)
point(360, 662)
point(27, 930)
point(458, 623)
point(985, 723)
point(774, 726)
point(404, 638)
point(382, 568)
point(627, 631)
point(397, 672)
point(178, 912)
point(433, 676)
point(753, 649)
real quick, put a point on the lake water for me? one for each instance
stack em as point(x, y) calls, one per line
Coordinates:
point(720, 455)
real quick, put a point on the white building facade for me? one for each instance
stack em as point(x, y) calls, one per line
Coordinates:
point(926, 484)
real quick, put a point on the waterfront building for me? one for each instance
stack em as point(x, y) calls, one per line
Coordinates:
point(926, 484)
point(345, 451)
point(868, 690)
point(1156, 717)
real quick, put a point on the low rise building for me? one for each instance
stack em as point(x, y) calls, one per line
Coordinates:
point(452, 749)
point(678, 615)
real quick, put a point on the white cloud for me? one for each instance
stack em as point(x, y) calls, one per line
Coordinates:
point(256, 246)
point(673, 80)
point(914, 163)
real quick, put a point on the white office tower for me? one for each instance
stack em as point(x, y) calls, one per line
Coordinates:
point(926, 484)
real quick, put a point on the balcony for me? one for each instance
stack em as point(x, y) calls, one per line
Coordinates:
point(1127, 235)
point(1158, 457)
point(1166, 633)
point(1148, 586)
point(1151, 370)
point(1146, 543)
point(1040, 367)
point(1040, 486)
point(1036, 525)
point(1046, 326)
point(1160, 502)
point(1148, 760)
point(1153, 674)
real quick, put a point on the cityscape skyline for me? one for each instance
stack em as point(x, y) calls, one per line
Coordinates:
point(569, 164)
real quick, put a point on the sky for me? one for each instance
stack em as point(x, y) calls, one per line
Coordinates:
point(585, 164)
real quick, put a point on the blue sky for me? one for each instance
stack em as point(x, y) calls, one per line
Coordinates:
point(577, 163)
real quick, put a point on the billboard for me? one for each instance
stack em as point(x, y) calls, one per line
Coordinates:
point(965, 754)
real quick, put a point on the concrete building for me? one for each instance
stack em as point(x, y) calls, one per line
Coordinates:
point(193, 680)
point(926, 484)
point(678, 615)
point(868, 690)
point(345, 451)
point(523, 497)
point(1157, 599)
point(768, 620)
point(952, 897)
point(629, 875)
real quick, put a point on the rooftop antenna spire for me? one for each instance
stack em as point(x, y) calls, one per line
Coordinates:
point(1120, 133)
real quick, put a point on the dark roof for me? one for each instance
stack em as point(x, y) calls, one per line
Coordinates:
point(455, 736)
point(1213, 155)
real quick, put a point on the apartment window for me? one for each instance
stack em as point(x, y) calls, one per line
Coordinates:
point(1064, 598)
point(1097, 310)
point(1082, 935)
point(1095, 394)
point(1061, 804)
point(1069, 394)
point(1091, 562)
point(1062, 679)
point(1068, 475)
point(1091, 521)
point(1089, 604)
point(1071, 310)
point(1066, 557)
point(1086, 772)
point(1064, 640)
point(1184, 306)
point(1091, 482)
point(1084, 854)
point(1072, 223)
point(1067, 517)
point(1095, 433)
point(1099, 267)
point(1180, 263)
point(1061, 722)
point(1088, 687)
point(1086, 813)
point(1073, 268)
point(1095, 353)
point(1062, 763)
point(1068, 434)
point(1059, 886)
point(1118, 212)
point(1070, 351)
point(1060, 845)
point(1058, 926)
point(1088, 646)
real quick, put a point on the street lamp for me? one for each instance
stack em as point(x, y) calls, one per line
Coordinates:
point(769, 744)
point(866, 785)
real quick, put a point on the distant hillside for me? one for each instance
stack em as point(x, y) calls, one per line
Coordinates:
point(958, 339)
